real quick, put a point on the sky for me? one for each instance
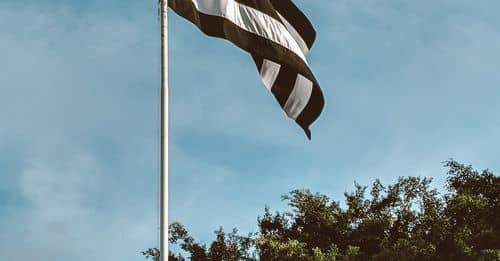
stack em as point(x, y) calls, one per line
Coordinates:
point(407, 84)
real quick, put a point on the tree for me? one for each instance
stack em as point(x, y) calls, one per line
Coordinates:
point(226, 246)
point(407, 220)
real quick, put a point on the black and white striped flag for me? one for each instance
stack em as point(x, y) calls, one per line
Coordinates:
point(277, 35)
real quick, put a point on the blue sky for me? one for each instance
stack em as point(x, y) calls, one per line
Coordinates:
point(408, 84)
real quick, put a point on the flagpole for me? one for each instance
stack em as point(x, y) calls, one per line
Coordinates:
point(164, 132)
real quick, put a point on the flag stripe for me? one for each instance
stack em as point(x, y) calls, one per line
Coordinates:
point(297, 19)
point(299, 97)
point(264, 6)
point(298, 38)
point(267, 7)
point(269, 72)
point(312, 110)
point(283, 86)
point(251, 20)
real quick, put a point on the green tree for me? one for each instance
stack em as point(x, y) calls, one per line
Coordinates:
point(407, 220)
point(226, 246)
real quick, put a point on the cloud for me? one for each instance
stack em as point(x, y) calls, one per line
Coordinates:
point(78, 147)
point(64, 220)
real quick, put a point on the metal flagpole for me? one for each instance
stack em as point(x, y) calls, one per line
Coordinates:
point(164, 132)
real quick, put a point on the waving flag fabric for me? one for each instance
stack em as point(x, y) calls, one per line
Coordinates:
point(277, 35)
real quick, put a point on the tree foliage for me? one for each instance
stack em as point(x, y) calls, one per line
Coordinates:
point(407, 220)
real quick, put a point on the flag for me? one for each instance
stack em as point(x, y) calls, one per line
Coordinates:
point(277, 35)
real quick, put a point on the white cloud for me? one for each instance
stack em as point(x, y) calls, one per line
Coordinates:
point(63, 219)
point(77, 119)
